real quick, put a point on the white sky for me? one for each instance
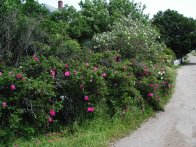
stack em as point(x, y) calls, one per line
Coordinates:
point(185, 7)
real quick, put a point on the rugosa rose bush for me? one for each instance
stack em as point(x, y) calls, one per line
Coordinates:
point(46, 94)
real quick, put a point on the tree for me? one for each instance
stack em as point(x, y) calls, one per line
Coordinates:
point(178, 31)
point(20, 29)
point(96, 14)
point(101, 14)
point(33, 8)
point(119, 8)
point(9, 5)
point(76, 22)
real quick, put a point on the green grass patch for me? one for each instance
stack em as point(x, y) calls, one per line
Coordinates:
point(98, 132)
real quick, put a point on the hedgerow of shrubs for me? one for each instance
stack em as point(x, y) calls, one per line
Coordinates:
point(44, 94)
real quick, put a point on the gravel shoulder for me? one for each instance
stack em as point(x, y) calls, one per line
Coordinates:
point(176, 126)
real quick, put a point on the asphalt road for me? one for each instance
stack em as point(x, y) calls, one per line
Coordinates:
point(176, 126)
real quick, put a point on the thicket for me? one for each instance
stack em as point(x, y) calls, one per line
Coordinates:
point(73, 66)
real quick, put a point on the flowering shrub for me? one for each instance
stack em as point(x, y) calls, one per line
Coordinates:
point(43, 94)
point(152, 82)
point(25, 108)
point(132, 39)
point(82, 88)
point(27, 96)
point(120, 82)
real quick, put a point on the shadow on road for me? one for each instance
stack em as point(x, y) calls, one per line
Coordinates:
point(188, 64)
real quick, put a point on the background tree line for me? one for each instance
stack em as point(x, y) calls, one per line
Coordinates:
point(28, 26)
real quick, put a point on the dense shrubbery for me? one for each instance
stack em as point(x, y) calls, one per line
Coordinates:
point(44, 93)
point(71, 81)
point(132, 39)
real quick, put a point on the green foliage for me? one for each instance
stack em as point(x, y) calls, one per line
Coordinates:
point(9, 5)
point(97, 132)
point(33, 8)
point(18, 33)
point(153, 83)
point(177, 31)
point(42, 85)
point(29, 94)
point(96, 15)
point(126, 8)
point(69, 50)
point(167, 56)
point(53, 75)
point(39, 29)
point(77, 25)
point(132, 39)
point(24, 31)
point(120, 82)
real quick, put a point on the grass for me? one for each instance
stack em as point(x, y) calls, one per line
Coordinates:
point(102, 131)
point(96, 133)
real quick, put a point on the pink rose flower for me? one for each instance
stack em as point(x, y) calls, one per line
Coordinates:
point(67, 73)
point(53, 73)
point(86, 98)
point(4, 104)
point(19, 76)
point(95, 69)
point(35, 58)
point(90, 109)
point(164, 83)
point(75, 72)
point(50, 120)
point(52, 112)
point(104, 75)
point(82, 86)
point(151, 85)
point(1, 73)
point(150, 94)
point(66, 66)
point(12, 87)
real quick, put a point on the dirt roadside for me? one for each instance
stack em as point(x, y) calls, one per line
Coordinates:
point(176, 126)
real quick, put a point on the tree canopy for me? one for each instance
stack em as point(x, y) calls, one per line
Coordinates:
point(178, 31)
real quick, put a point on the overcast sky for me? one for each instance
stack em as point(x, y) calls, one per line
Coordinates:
point(185, 7)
